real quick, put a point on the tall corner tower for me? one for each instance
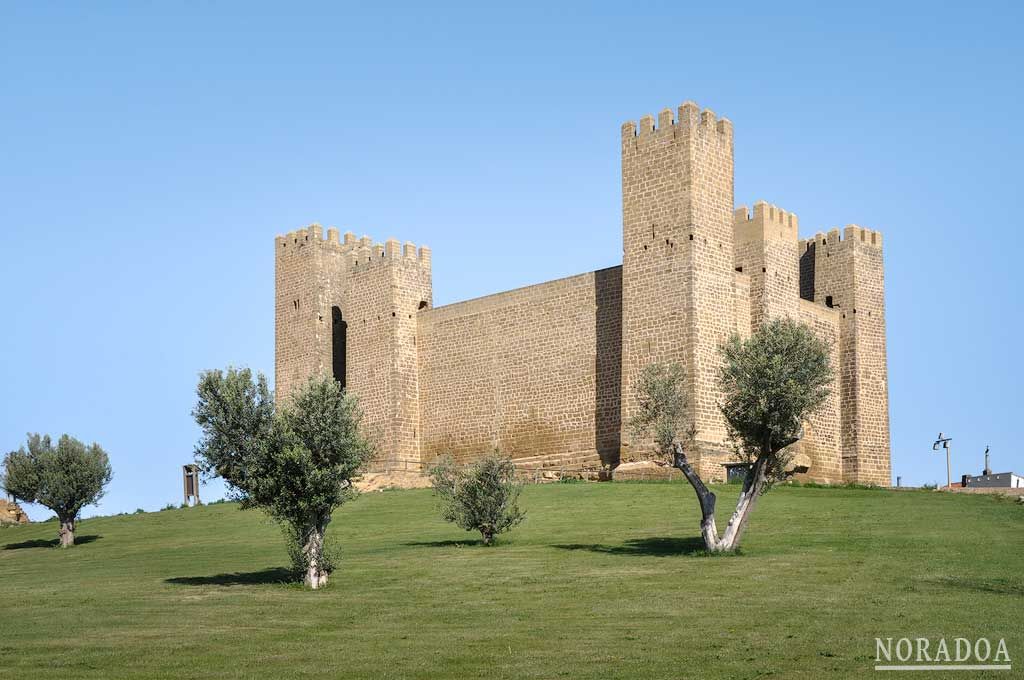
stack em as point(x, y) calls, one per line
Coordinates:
point(845, 272)
point(347, 308)
point(677, 266)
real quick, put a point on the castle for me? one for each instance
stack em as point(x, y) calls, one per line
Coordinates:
point(546, 372)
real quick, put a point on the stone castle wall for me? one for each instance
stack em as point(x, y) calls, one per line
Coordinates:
point(547, 371)
point(533, 371)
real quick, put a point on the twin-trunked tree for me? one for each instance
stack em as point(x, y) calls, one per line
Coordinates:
point(65, 478)
point(294, 460)
point(770, 383)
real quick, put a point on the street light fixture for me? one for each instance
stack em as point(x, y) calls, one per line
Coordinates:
point(944, 441)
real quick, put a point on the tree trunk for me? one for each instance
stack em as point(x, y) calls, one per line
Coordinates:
point(67, 532)
point(708, 528)
point(313, 552)
point(488, 535)
point(753, 486)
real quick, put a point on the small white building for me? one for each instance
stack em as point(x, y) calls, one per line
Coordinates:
point(998, 480)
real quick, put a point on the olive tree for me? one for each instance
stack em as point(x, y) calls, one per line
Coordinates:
point(294, 460)
point(65, 478)
point(771, 383)
point(482, 496)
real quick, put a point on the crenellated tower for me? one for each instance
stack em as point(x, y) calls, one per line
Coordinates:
point(845, 273)
point(348, 308)
point(766, 249)
point(677, 265)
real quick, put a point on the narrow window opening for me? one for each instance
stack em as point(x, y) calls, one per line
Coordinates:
point(828, 301)
point(423, 304)
point(763, 270)
point(339, 348)
point(691, 237)
point(739, 269)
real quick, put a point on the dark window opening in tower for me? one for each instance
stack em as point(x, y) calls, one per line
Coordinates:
point(828, 301)
point(339, 331)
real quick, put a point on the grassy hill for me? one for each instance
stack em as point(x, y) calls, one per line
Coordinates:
point(601, 581)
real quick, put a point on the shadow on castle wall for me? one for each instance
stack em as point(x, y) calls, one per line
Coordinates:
point(608, 364)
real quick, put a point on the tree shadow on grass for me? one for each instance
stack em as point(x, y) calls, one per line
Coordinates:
point(445, 544)
point(250, 578)
point(660, 546)
point(49, 542)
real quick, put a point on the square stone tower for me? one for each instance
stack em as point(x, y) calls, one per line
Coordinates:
point(348, 308)
point(844, 272)
point(678, 286)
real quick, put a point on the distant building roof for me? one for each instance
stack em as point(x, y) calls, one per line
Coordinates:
point(999, 479)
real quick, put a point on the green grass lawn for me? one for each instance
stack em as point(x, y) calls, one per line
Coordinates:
point(600, 581)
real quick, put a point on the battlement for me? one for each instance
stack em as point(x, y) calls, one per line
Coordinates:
point(766, 221)
point(361, 252)
point(313, 233)
point(688, 117)
point(836, 240)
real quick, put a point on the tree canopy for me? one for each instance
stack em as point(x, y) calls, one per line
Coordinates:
point(295, 460)
point(65, 478)
point(482, 496)
point(771, 383)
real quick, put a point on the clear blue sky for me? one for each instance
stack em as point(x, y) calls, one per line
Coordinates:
point(149, 154)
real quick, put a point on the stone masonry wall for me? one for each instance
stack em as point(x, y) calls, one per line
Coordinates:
point(821, 442)
point(533, 371)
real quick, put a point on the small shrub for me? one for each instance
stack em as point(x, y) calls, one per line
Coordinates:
point(480, 497)
point(140, 511)
point(169, 506)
